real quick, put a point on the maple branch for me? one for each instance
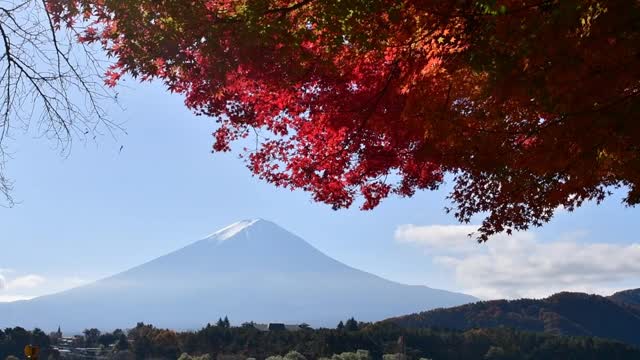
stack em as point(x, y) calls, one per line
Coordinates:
point(284, 10)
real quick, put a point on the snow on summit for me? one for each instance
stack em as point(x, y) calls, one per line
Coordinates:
point(232, 230)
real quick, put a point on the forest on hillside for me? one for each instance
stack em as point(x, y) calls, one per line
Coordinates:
point(571, 314)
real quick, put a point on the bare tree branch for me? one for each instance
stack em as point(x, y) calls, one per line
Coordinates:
point(47, 82)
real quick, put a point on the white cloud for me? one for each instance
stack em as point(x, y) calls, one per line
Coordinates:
point(25, 282)
point(32, 285)
point(13, 289)
point(3, 280)
point(10, 298)
point(522, 266)
point(450, 238)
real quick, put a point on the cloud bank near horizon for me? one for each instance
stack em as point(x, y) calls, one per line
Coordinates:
point(29, 286)
point(522, 265)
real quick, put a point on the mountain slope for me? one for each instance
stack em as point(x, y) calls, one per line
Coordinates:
point(250, 271)
point(562, 314)
point(629, 299)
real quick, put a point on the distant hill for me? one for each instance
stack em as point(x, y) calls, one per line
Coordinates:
point(629, 299)
point(250, 271)
point(615, 317)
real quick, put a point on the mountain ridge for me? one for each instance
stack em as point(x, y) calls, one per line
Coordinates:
point(565, 313)
point(252, 270)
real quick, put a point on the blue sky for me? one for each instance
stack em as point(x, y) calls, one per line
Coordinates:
point(100, 211)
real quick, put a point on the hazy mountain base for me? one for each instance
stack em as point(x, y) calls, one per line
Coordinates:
point(616, 317)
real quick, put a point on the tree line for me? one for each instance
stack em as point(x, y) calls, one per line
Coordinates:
point(349, 340)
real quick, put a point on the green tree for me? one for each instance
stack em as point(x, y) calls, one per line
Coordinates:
point(143, 348)
point(123, 343)
point(118, 332)
point(107, 339)
point(91, 337)
point(165, 344)
point(351, 325)
point(220, 323)
point(39, 338)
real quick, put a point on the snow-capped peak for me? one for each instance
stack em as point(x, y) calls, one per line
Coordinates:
point(232, 230)
point(252, 270)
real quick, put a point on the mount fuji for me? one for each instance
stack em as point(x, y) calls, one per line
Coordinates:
point(252, 270)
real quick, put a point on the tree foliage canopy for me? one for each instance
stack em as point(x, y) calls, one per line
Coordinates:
point(380, 340)
point(530, 104)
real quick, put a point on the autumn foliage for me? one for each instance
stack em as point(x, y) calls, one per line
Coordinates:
point(530, 104)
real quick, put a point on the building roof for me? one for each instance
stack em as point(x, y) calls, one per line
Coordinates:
point(276, 326)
